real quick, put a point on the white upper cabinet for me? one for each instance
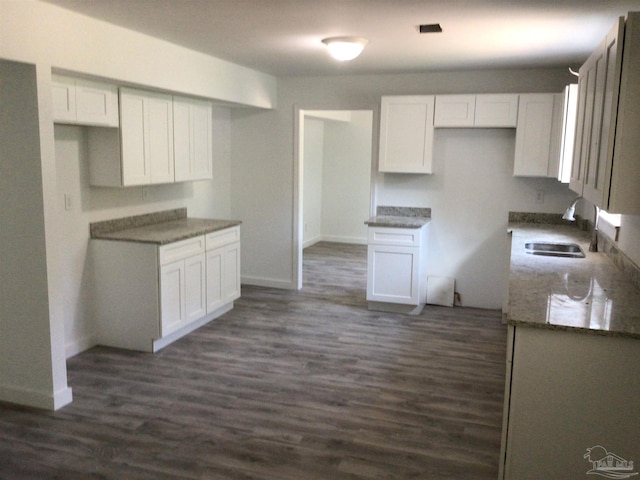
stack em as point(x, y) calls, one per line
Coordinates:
point(499, 111)
point(146, 137)
point(606, 164)
point(534, 149)
point(483, 111)
point(141, 151)
point(455, 111)
point(192, 139)
point(406, 134)
point(84, 102)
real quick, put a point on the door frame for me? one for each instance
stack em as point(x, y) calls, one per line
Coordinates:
point(298, 175)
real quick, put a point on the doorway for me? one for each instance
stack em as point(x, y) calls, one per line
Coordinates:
point(334, 175)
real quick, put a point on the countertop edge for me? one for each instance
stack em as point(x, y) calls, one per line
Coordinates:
point(153, 233)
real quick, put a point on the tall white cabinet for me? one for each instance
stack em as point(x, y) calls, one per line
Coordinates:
point(606, 165)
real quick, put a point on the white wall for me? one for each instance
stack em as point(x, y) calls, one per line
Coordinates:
point(313, 155)
point(32, 369)
point(337, 178)
point(41, 33)
point(346, 191)
point(263, 154)
point(471, 193)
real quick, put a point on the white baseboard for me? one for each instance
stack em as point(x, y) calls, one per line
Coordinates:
point(268, 282)
point(343, 239)
point(80, 345)
point(32, 398)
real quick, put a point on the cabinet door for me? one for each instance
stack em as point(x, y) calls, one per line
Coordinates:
point(202, 147)
point(133, 139)
point(192, 139)
point(533, 135)
point(172, 297)
point(160, 137)
point(215, 285)
point(393, 274)
point(182, 140)
point(96, 104)
point(195, 291)
point(406, 134)
point(231, 272)
point(64, 99)
point(496, 111)
point(454, 111)
point(596, 186)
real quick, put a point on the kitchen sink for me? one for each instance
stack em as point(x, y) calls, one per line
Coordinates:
point(567, 250)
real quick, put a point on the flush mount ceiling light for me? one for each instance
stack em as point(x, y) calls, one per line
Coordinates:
point(345, 48)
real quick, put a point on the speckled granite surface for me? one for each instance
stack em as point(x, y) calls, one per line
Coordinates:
point(159, 228)
point(400, 217)
point(589, 294)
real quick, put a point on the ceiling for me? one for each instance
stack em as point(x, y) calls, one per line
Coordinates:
point(283, 37)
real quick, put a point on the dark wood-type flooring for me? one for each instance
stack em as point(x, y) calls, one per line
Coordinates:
point(288, 386)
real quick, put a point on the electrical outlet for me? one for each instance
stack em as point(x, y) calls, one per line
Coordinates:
point(67, 202)
point(539, 196)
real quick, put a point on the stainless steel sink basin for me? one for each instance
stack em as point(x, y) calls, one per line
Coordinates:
point(569, 250)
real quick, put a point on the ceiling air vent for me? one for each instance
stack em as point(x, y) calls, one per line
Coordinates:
point(430, 28)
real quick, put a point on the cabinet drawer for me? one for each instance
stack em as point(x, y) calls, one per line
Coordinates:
point(222, 237)
point(394, 236)
point(182, 249)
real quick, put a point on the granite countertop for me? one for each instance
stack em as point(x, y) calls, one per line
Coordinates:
point(159, 228)
point(400, 217)
point(580, 294)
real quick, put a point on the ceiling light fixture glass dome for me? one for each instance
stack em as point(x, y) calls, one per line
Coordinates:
point(345, 48)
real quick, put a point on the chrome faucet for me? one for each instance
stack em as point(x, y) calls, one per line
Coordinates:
point(568, 215)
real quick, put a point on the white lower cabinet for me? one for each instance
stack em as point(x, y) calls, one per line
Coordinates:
point(182, 293)
point(396, 273)
point(148, 296)
point(223, 267)
point(567, 392)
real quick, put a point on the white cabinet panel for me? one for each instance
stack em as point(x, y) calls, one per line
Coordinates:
point(454, 111)
point(192, 139)
point(223, 267)
point(215, 285)
point(496, 111)
point(231, 272)
point(533, 135)
point(134, 141)
point(605, 165)
point(406, 134)
point(479, 111)
point(84, 102)
point(396, 266)
point(160, 138)
point(393, 275)
point(64, 99)
point(172, 306)
point(195, 296)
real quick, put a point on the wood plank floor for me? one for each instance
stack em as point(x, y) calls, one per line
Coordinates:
point(289, 385)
